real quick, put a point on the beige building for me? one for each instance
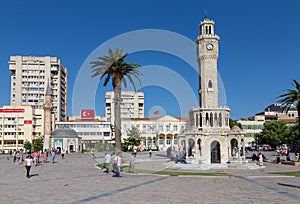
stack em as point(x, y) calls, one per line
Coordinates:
point(156, 132)
point(29, 78)
point(19, 124)
point(132, 105)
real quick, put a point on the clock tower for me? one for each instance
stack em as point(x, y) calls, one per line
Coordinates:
point(207, 54)
point(209, 138)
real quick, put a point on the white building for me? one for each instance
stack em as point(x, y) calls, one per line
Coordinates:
point(156, 132)
point(132, 105)
point(29, 78)
point(252, 127)
point(19, 124)
point(91, 131)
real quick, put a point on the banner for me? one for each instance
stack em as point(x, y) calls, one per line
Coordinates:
point(12, 110)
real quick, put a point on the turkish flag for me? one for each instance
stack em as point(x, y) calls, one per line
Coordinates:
point(156, 112)
point(87, 113)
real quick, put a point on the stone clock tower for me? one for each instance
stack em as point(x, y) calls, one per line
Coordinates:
point(207, 53)
point(209, 138)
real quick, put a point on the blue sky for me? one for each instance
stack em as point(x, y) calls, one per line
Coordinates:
point(259, 46)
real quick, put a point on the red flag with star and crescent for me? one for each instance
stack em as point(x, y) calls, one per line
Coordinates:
point(87, 114)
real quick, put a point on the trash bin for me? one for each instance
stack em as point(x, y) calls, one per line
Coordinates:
point(277, 160)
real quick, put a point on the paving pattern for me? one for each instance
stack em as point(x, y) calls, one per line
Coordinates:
point(75, 180)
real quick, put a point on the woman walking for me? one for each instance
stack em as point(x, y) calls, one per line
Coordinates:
point(28, 162)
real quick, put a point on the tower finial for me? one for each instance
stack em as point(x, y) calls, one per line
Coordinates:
point(48, 88)
point(206, 16)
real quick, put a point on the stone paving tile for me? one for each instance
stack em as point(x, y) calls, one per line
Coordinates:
point(75, 180)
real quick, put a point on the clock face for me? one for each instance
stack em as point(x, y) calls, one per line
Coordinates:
point(209, 46)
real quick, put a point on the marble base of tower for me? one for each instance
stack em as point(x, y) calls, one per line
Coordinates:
point(210, 139)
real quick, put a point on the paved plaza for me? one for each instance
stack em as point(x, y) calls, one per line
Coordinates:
point(76, 180)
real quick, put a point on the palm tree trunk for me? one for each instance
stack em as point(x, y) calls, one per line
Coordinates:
point(298, 110)
point(117, 115)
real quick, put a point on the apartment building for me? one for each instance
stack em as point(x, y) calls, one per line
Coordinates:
point(132, 105)
point(30, 76)
point(252, 126)
point(19, 124)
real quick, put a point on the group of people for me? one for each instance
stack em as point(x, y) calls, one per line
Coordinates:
point(116, 161)
point(33, 158)
point(259, 158)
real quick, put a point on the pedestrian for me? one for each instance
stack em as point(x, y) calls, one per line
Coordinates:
point(150, 153)
point(91, 156)
point(118, 161)
point(14, 155)
point(288, 156)
point(45, 156)
point(296, 156)
point(62, 153)
point(36, 157)
point(260, 159)
point(28, 163)
point(18, 158)
point(52, 156)
point(107, 160)
point(132, 163)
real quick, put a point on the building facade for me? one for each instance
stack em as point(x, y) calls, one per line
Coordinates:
point(29, 78)
point(66, 139)
point(132, 105)
point(91, 131)
point(161, 133)
point(252, 127)
point(19, 124)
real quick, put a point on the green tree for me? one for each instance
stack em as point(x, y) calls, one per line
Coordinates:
point(27, 145)
point(38, 144)
point(293, 139)
point(114, 68)
point(133, 137)
point(291, 97)
point(274, 133)
point(234, 123)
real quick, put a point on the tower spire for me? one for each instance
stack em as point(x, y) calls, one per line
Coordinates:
point(48, 89)
point(206, 16)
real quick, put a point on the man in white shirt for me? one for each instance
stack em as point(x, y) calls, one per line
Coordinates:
point(118, 161)
point(107, 159)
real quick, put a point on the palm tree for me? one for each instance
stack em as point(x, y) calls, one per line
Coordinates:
point(289, 98)
point(114, 68)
